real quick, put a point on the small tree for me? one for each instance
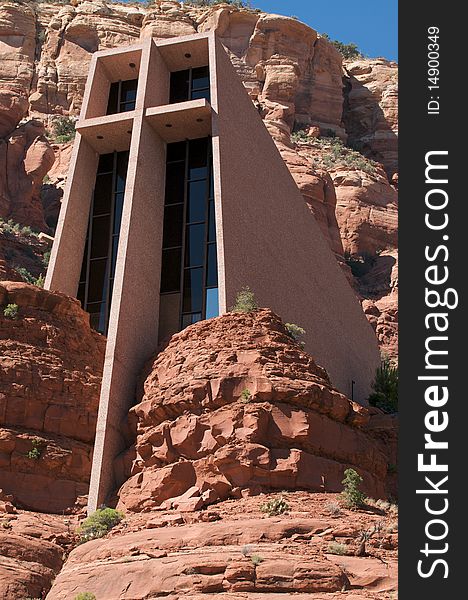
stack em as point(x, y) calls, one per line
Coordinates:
point(385, 386)
point(85, 596)
point(245, 301)
point(364, 536)
point(351, 495)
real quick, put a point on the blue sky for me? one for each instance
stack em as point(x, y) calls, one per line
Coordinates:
point(371, 24)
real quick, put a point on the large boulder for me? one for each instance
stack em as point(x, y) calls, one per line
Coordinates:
point(234, 403)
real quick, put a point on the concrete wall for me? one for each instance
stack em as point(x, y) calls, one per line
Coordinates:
point(133, 324)
point(271, 242)
point(66, 258)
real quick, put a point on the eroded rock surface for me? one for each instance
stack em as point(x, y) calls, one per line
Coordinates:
point(51, 362)
point(234, 551)
point(33, 548)
point(234, 403)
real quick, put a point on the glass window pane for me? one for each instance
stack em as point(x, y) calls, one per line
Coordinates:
point(193, 290)
point(200, 78)
point(211, 184)
point(212, 267)
point(102, 194)
point(97, 316)
point(85, 262)
point(176, 151)
point(118, 208)
point(195, 246)
point(81, 293)
point(126, 106)
point(179, 87)
point(198, 158)
point(106, 163)
point(175, 183)
point(211, 223)
point(115, 247)
point(212, 303)
point(170, 272)
point(190, 319)
point(173, 225)
point(97, 276)
point(128, 91)
point(122, 166)
point(197, 94)
point(112, 105)
point(100, 236)
point(196, 206)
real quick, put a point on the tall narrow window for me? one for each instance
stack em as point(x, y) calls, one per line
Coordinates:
point(98, 268)
point(122, 96)
point(190, 84)
point(189, 264)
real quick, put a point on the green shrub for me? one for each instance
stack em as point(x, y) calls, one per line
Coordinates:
point(46, 258)
point(275, 506)
point(301, 136)
point(11, 311)
point(295, 331)
point(238, 3)
point(336, 548)
point(333, 153)
point(246, 396)
point(40, 281)
point(99, 523)
point(63, 129)
point(16, 229)
point(36, 450)
point(333, 508)
point(256, 560)
point(25, 274)
point(385, 386)
point(348, 51)
point(351, 495)
point(29, 278)
point(245, 301)
point(85, 596)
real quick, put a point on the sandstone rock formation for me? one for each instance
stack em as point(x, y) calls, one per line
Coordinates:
point(51, 364)
point(234, 404)
point(32, 552)
point(25, 158)
point(233, 414)
point(235, 552)
point(371, 110)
